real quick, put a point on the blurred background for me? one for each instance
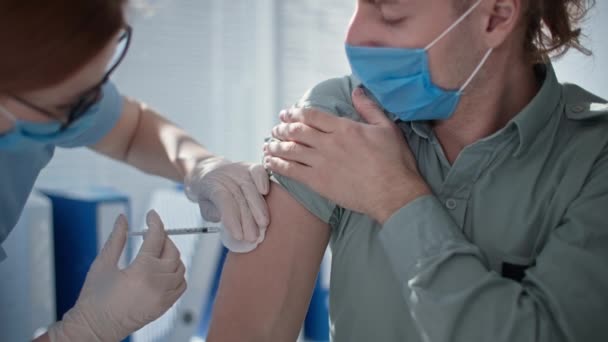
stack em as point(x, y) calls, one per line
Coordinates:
point(223, 70)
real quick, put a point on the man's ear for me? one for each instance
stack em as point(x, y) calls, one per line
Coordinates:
point(501, 20)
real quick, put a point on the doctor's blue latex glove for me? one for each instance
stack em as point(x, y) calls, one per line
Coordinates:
point(234, 194)
point(114, 303)
point(363, 166)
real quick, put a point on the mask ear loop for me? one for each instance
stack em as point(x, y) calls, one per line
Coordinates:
point(479, 66)
point(448, 30)
point(456, 23)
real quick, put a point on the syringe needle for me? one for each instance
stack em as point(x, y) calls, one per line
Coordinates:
point(182, 231)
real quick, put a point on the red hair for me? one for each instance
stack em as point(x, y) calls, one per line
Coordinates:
point(45, 42)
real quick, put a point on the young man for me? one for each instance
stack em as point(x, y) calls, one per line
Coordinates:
point(488, 222)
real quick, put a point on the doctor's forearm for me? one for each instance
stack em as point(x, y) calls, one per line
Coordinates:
point(159, 147)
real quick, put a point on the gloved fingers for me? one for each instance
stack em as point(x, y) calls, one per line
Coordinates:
point(260, 178)
point(249, 227)
point(209, 211)
point(169, 281)
point(231, 213)
point(154, 240)
point(153, 219)
point(181, 270)
point(169, 265)
point(192, 186)
point(181, 275)
point(158, 266)
point(173, 295)
point(262, 235)
point(257, 204)
point(115, 244)
point(170, 251)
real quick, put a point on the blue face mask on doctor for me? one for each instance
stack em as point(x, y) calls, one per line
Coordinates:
point(25, 134)
point(400, 79)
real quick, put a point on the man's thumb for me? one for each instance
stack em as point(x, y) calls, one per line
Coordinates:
point(367, 108)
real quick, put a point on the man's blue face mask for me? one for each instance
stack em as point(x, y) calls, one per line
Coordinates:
point(400, 79)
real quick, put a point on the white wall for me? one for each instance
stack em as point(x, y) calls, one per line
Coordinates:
point(311, 44)
point(590, 72)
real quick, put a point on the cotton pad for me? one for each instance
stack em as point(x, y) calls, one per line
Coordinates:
point(243, 246)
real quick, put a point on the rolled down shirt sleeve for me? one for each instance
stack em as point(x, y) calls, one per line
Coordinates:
point(331, 96)
point(454, 296)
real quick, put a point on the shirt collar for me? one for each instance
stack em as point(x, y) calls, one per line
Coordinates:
point(534, 117)
point(530, 120)
point(422, 128)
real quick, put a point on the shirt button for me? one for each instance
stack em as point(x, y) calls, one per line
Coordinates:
point(451, 204)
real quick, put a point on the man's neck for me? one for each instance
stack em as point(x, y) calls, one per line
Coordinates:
point(486, 108)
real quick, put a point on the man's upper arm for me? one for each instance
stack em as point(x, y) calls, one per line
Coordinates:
point(264, 294)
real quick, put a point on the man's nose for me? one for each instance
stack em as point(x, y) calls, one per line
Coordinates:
point(355, 29)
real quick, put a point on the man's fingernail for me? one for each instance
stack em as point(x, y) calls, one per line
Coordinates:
point(363, 97)
point(358, 91)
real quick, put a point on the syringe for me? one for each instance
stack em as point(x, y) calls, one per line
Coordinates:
point(182, 231)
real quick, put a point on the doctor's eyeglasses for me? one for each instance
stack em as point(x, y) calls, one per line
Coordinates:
point(94, 94)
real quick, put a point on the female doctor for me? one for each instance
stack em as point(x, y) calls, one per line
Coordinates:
point(55, 64)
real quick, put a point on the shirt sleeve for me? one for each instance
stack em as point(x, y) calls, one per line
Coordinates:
point(2, 254)
point(454, 296)
point(332, 96)
point(109, 110)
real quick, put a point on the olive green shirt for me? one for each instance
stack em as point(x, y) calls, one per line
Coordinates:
point(511, 246)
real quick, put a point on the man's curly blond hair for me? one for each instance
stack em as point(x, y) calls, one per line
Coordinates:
point(554, 27)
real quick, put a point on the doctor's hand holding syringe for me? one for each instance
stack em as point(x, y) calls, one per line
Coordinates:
point(114, 303)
